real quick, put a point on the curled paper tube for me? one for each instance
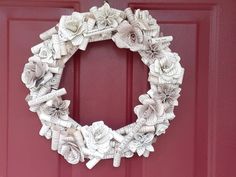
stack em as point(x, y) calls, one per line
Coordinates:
point(47, 97)
point(91, 163)
point(44, 90)
point(79, 138)
point(116, 160)
point(35, 49)
point(90, 24)
point(130, 15)
point(55, 138)
point(67, 57)
point(34, 108)
point(128, 129)
point(46, 78)
point(56, 46)
point(90, 153)
point(44, 130)
point(55, 70)
point(129, 137)
point(97, 31)
point(162, 39)
point(100, 38)
point(48, 135)
point(47, 34)
point(57, 79)
point(117, 136)
point(63, 48)
point(122, 129)
point(59, 122)
point(74, 123)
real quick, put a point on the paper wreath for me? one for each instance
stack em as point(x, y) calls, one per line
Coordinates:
point(136, 31)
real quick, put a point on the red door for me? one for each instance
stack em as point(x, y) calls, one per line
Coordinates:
point(201, 141)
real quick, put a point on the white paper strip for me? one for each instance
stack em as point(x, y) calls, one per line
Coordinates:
point(47, 97)
point(47, 34)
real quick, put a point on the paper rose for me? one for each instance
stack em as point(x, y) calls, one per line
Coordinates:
point(97, 137)
point(46, 52)
point(145, 22)
point(128, 36)
point(167, 69)
point(71, 28)
point(106, 16)
point(71, 152)
point(142, 143)
point(56, 108)
point(153, 107)
point(33, 72)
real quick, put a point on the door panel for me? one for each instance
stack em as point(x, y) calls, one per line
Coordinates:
point(104, 83)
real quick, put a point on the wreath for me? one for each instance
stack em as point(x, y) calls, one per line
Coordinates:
point(136, 31)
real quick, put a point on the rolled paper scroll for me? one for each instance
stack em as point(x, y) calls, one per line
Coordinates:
point(59, 122)
point(78, 138)
point(117, 136)
point(63, 48)
point(46, 78)
point(130, 15)
point(68, 56)
point(44, 90)
point(55, 70)
point(56, 46)
point(128, 128)
point(139, 123)
point(100, 38)
point(91, 163)
point(98, 31)
point(47, 34)
point(162, 39)
point(55, 138)
point(55, 81)
point(74, 123)
point(47, 97)
point(90, 25)
point(44, 130)
point(48, 135)
point(116, 159)
point(95, 154)
point(35, 49)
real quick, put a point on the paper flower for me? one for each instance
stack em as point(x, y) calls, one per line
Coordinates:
point(71, 28)
point(46, 52)
point(33, 72)
point(106, 16)
point(97, 137)
point(168, 94)
point(145, 22)
point(128, 36)
point(167, 69)
point(153, 107)
point(153, 51)
point(71, 152)
point(161, 127)
point(57, 108)
point(142, 143)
